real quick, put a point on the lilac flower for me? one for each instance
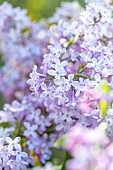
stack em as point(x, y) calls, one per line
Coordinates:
point(57, 50)
point(34, 77)
point(63, 84)
point(30, 130)
point(5, 132)
point(59, 69)
point(70, 28)
point(20, 156)
point(47, 91)
point(79, 86)
point(13, 144)
point(23, 49)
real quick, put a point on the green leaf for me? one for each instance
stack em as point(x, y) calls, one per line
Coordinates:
point(59, 142)
point(5, 125)
point(58, 156)
point(67, 157)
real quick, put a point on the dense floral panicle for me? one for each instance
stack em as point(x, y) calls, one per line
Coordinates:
point(39, 127)
point(26, 43)
point(78, 63)
point(71, 83)
point(89, 148)
point(89, 1)
point(30, 120)
point(73, 74)
point(67, 11)
point(11, 155)
point(21, 47)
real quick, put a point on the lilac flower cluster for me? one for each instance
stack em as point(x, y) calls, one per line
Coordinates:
point(11, 155)
point(31, 121)
point(73, 74)
point(22, 45)
point(67, 11)
point(89, 148)
point(78, 64)
point(25, 44)
point(71, 83)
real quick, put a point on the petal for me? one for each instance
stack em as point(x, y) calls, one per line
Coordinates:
point(43, 86)
point(17, 139)
point(10, 147)
point(66, 25)
point(8, 140)
point(26, 133)
point(64, 63)
point(18, 158)
point(51, 72)
point(59, 127)
point(18, 147)
point(23, 154)
point(34, 127)
point(1, 141)
point(44, 94)
point(27, 125)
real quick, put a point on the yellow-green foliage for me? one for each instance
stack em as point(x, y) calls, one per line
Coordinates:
point(38, 9)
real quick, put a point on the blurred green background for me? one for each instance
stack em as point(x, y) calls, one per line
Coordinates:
point(38, 9)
